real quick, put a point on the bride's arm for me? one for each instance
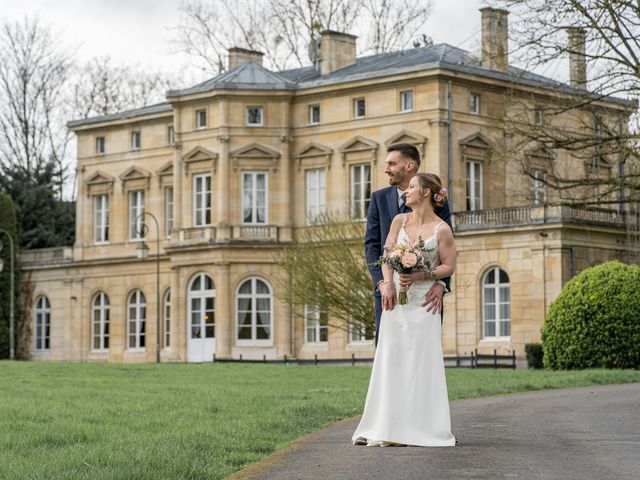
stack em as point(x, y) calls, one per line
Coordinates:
point(388, 289)
point(447, 253)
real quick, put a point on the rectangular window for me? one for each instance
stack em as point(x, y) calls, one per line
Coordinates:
point(101, 218)
point(202, 200)
point(475, 103)
point(167, 319)
point(538, 187)
point(201, 118)
point(254, 197)
point(360, 191)
point(171, 138)
point(314, 114)
point(136, 209)
point(316, 325)
point(316, 193)
point(538, 116)
point(361, 334)
point(359, 108)
point(135, 140)
point(406, 101)
point(474, 185)
point(168, 210)
point(100, 145)
point(255, 116)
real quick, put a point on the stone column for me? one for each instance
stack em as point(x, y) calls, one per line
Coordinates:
point(80, 207)
point(284, 195)
point(178, 316)
point(223, 191)
point(224, 312)
point(177, 176)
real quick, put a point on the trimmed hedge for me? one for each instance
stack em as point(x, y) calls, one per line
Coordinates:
point(595, 321)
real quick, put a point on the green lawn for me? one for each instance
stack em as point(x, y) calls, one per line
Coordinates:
point(98, 421)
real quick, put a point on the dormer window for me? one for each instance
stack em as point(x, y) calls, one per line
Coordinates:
point(201, 118)
point(255, 116)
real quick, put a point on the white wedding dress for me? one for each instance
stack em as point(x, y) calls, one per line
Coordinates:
point(407, 400)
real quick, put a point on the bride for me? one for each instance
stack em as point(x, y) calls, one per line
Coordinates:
point(407, 401)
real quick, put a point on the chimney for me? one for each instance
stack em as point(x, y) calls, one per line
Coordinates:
point(577, 57)
point(337, 50)
point(495, 41)
point(238, 56)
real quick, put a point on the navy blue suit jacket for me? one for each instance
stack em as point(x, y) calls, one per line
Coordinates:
point(382, 210)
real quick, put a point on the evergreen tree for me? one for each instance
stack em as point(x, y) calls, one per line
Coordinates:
point(43, 220)
point(8, 223)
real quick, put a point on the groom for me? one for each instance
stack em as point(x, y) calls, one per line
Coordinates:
point(403, 162)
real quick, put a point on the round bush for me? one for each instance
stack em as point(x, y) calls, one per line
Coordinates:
point(595, 321)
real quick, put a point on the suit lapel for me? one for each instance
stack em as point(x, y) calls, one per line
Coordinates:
point(392, 202)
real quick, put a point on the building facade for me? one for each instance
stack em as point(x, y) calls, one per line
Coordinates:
point(232, 169)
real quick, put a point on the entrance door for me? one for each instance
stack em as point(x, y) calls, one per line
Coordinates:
point(201, 341)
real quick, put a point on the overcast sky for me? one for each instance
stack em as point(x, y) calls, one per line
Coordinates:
point(138, 31)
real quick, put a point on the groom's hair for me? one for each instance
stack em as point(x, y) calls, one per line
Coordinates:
point(407, 150)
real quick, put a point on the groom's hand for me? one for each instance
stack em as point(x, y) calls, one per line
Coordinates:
point(433, 298)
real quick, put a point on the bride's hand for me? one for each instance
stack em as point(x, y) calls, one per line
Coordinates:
point(388, 296)
point(408, 279)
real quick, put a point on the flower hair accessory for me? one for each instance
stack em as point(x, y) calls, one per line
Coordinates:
point(441, 196)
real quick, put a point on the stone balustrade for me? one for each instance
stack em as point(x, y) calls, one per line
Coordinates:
point(535, 215)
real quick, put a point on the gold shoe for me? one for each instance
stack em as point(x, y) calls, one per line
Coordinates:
point(360, 441)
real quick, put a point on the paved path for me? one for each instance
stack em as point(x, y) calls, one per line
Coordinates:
point(580, 433)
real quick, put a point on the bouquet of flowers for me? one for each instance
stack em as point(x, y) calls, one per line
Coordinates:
point(406, 258)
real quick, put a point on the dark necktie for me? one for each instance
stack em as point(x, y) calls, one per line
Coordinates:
point(403, 203)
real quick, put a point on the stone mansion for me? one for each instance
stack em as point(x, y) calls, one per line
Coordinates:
point(234, 167)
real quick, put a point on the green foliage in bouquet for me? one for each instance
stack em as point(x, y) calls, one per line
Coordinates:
point(595, 321)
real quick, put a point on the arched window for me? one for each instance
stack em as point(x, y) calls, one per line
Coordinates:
point(254, 303)
point(136, 320)
point(42, 323)
point(166, 317)
point(100, 321)
point(496, 304)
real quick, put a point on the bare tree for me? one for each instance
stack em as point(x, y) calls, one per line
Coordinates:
point(395, 23)
point(325, 269)
point(600, 135)
point(285, 30)
point(33, 74)
point(101, 88)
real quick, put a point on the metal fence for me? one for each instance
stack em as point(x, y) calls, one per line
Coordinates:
point(475, 360)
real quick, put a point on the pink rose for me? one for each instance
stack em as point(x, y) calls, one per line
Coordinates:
point(395, 254)
point(409, 260)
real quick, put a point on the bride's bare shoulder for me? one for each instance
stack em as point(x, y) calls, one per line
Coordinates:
point(398, 220)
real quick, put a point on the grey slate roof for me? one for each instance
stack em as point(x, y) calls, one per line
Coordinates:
point(443, 56)
point(148, 110)
point(248, 75)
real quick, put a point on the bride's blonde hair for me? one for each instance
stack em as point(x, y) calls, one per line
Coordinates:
point(434, 184)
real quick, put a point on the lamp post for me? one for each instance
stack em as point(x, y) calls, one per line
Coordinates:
point(143, 252)
point(12, 348)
